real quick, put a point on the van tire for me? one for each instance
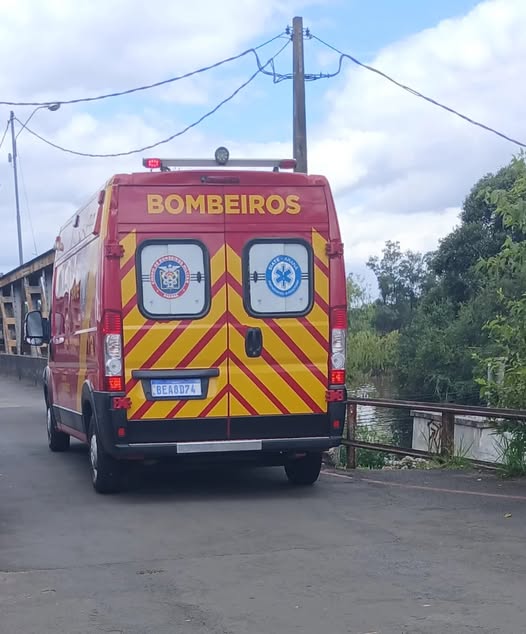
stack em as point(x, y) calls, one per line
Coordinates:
point(57, 440)
point(106, 472)
point(304, 471)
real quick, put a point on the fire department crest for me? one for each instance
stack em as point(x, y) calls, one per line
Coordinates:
point(169, 277)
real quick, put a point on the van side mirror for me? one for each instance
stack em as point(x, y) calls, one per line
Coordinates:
point(36, 328)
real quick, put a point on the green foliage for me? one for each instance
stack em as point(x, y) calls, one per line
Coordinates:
point(440, 349)
point(442, 318)
point(401, 278)
point(371, 354)
point(507, 330)
point(512, 443)
point(400, 275)
point(436, 350)
point(505, 383)
point(479, 236)
point(368, 458)
point(357, 292)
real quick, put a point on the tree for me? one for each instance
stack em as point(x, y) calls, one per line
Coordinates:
point(480, 235)
point(505, 383)
point(357, 292)
point(507, 269)
point(438, 348)
point(401, 279)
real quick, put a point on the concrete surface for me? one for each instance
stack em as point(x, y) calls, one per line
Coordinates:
point(243, 552)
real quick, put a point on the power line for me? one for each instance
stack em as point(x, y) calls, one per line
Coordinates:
point(411, 91)
point(277, 77)
point(270, 62)
point(4, 134)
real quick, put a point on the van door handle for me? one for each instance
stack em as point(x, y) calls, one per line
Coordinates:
point(253, 342)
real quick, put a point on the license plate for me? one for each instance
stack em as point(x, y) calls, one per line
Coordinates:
point(175, 388)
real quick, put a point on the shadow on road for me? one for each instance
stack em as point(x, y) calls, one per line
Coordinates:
point(171, 482)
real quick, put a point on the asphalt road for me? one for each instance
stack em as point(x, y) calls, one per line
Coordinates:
point(244, 552)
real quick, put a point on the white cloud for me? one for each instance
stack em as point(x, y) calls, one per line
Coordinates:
point(399, 166)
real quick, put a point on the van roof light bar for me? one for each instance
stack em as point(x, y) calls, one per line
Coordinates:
point(221, 159)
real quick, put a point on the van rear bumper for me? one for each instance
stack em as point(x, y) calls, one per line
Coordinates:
point(209, 436)
point(235, 447)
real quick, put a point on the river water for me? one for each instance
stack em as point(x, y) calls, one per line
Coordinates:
point(381, 424)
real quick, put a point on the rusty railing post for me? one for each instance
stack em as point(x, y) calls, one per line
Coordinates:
point(447, 435)
point(351, 434)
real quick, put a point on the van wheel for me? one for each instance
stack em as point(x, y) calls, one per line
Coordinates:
point(106, 472)
point(57, 440)
point(305, 470)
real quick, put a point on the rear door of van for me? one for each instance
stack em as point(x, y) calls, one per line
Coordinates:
point(225, 301)
point(174, 316)
point(278, 309)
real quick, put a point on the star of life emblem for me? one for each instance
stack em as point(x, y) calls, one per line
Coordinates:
point(283, 275)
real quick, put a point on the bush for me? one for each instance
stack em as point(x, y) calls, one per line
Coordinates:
point(368, 458)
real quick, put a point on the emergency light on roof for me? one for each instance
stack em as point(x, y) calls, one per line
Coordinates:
point(152, 163)
point(221, 158)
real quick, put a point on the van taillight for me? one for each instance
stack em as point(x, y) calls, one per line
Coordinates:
point(338, 346)
point(112, 323)
point(112, 342)
point(114, 384)
point(337, 377)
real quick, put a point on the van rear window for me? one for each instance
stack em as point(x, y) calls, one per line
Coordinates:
point(278, 278)
point(174, 279)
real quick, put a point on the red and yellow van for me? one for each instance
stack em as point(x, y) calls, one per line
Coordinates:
point(199, 312)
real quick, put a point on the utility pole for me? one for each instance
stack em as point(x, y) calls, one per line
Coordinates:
point(17, 200)
point(53, 107)
point(300, 122)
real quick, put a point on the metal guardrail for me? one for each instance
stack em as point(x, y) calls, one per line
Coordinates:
point(448, 412)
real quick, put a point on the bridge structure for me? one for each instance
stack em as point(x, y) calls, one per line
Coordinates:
point(28, 287)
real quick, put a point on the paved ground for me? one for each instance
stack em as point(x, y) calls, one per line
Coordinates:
point(244, 553)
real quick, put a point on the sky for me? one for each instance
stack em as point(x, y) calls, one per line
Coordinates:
point(399, 167)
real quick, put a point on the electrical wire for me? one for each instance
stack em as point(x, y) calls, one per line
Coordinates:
point(270, 62)
point(130, 91)
point(4, 134)
point(411, 91)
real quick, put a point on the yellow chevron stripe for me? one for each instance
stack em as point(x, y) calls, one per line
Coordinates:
point(129, 287)
point(156, 337)
point(236, 408)
point(270, 377)
point(276, 347)
point(318, 318)
point(187, 340)
point(321, 284)
point(320, 279)
point(233, 264)
point(319, 244)
point(220, 408)
point(217, 264)
point(279, 351)
point(238, 377)
point(211, 351)
point(135, 320)
point(129, 244)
